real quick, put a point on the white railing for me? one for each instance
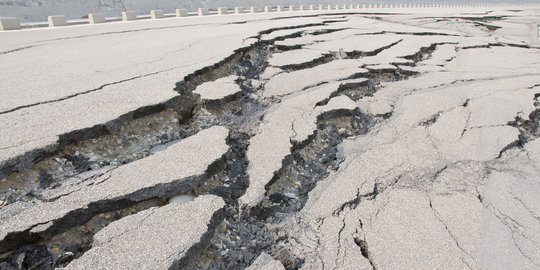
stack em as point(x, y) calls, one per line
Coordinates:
point(95, 18)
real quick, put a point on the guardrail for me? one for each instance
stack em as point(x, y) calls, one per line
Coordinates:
point(9, 23)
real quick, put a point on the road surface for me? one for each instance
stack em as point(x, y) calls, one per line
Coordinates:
point(342, 139)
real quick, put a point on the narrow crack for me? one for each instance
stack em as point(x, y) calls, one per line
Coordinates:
point(512, 225)
point(363, 245)
point(18, 49)
point(332, 56)
point(81, 93)
point(409, 33)
point(430, 121)
point(439, 218)
point(339, 241)
point(41, 42)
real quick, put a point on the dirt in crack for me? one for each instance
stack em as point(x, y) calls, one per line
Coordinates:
point(311, 162)
point(241, 237)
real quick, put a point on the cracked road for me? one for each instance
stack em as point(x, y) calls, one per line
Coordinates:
point(357, 139)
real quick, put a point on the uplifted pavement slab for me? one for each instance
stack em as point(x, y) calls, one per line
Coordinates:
point(295, 58)
point(157, 238)
point(266, 262)
point(287, 83)
point(219, 91)
point(357, 43)
point(162, 175)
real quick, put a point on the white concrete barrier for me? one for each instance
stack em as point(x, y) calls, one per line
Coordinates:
point(311, 7)
point(321, 7)
point(9, 24)
point(57, 20)
point(329, 7)
point(345, 7)
point(291, 8)
point(51, 5)
point(337, 7)
point(181, 12)
point(280, 9)
point(203, 11)
point(267, 9)
point(129, 15)
point(222, 10)
point(238, 10)
point(301, 8)
point(94, 18)
point(253, 9)
point(156, 14)
point(351, 6)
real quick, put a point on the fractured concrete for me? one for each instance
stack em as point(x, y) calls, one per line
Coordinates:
point(161, 175)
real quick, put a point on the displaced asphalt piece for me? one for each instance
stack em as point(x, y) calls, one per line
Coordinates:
point(219, 91)
point(156, 238)
point(266, 262)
